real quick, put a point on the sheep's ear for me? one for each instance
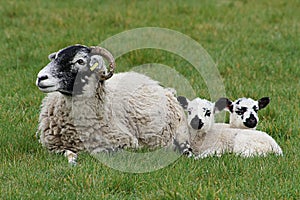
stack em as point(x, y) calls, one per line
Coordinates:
point(263, 102)
point(184, 102)
point(223, 104)
point(52, 56)
point(96, 62)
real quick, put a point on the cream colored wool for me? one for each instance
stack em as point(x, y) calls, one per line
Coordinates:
point(128, 111)
point(211, 138)
point(242, 142)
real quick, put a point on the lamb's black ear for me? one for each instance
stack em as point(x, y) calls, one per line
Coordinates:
point(223, 103)
point(184, 102)
point(263, 102)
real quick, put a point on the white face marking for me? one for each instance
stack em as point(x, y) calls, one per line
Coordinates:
point(244, 113)
point(80, 55)
point(200, 114)
point(48, 83)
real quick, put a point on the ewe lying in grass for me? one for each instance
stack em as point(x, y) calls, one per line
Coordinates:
point(87, 108)
point(209, 138)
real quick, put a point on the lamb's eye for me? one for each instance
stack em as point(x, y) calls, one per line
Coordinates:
point(255, 108)
point(80, 62)
point(241, 111)
point(207, 113)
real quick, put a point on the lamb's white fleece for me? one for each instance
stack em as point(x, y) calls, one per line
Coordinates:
point(244, 142)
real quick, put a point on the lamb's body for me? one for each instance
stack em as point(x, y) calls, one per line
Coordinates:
point(129, 110)
point(209, 138)
point(243, 142)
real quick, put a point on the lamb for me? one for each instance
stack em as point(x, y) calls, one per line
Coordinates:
point(87, 108)
point(243, 111)
point(208, 139)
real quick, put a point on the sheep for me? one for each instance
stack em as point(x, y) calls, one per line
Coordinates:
point(208, 138)
point(243, 111)
point(87, 108)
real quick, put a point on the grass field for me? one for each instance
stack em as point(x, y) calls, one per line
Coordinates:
point(255, 44)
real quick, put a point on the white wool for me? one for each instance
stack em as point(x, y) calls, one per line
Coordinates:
point(128, 111)
point(211, 138)
point(243, 142)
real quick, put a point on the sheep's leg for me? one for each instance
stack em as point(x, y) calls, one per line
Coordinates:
point(187, 149)
point(72, 157)
point(183, 148)
point(181, 141)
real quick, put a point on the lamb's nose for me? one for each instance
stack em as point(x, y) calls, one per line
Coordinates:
point(196, 123)
point(251, 121)
point(41, 78)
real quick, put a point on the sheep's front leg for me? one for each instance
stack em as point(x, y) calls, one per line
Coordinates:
point(72, 157)
point(183, 148)
point(187, 149)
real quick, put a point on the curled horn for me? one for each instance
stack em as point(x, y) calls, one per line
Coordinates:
point(107, 55)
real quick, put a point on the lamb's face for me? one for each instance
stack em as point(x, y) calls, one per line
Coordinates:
point(69, 70)
point(200, 113)
point(243, 112)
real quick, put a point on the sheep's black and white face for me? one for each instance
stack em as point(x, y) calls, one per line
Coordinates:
point(243, 112)
point(200, 113)
point(69, 70)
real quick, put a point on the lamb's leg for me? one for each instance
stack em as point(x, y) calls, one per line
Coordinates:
point(72, 157)
point(209, 152)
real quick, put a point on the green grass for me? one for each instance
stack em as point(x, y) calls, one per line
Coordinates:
point(256, 46)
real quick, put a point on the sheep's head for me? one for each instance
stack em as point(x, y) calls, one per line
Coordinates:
point(71, 68)
point(200, 113)
point(243, 111)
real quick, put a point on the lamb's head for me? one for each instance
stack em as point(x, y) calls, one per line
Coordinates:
point(200, 113)
point(71, 68)
point(243, 111)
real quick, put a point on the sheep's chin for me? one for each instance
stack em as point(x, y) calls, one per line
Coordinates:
point(49, 89)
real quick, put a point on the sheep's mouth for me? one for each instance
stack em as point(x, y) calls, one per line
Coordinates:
point(46, 85)
point(47, 88)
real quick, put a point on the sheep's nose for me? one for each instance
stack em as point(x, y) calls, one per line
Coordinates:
point(41, 78)
point(251, 121)
point(196, 123)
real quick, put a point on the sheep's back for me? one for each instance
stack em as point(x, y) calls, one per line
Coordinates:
point(144, 108)
point(253, 142)
point(214, 142)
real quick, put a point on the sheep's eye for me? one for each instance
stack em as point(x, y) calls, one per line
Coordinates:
point(239, 112)
point(80, 62)
point(189, 112)
point(207, 113)
point(255, 108)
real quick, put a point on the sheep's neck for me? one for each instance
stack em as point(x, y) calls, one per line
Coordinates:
point(100, 91)
point(89, 105)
